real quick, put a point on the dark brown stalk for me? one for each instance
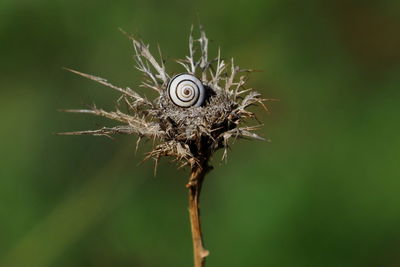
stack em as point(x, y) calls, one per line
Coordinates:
point(195, 182)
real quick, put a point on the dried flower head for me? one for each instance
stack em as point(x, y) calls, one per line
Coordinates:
point(189, 135)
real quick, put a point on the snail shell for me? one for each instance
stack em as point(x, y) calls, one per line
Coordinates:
point(185, 90)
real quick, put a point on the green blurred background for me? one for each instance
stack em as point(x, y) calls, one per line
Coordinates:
point(324, 192)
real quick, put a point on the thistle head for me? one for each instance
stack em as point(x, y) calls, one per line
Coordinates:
point(194, 114)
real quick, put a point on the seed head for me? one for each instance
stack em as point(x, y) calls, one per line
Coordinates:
point(188, 134)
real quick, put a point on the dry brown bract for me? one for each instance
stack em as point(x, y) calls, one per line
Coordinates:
point(190, 135)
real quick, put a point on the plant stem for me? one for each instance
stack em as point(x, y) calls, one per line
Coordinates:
point(194, 186)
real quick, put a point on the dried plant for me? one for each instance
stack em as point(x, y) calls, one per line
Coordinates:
point(188, 135)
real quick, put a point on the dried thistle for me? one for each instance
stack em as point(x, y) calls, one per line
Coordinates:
point(188, 135)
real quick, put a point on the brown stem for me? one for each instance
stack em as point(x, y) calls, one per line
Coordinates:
point(194, 186)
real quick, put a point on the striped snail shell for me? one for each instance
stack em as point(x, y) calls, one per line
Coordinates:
point(185, 90)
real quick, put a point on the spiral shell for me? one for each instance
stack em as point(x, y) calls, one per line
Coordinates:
point(185, 90)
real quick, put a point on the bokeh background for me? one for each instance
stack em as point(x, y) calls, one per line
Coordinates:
point(324, 192)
